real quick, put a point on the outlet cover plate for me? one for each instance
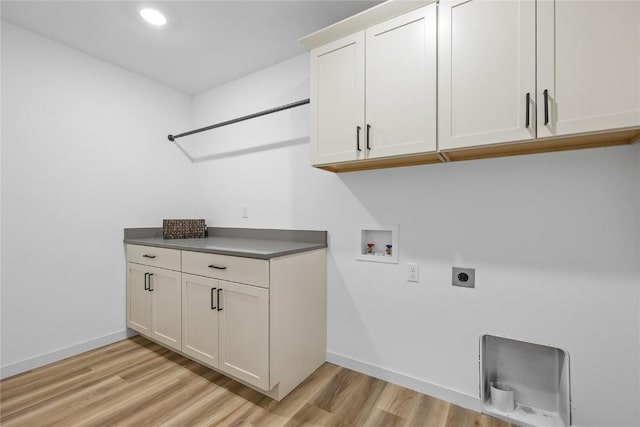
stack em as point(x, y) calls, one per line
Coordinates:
point(464, 277)
point(413, 272)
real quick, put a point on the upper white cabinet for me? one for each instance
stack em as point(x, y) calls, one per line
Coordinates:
point(337, 100)
point(401, 85)
point(373, 93)
point(487, 64)
point(589, 64)
point(492, 90)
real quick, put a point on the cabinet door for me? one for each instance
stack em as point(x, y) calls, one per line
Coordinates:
point(337, 101)
point(244, 333)
point(138, 299)
point(401, 85)
point(166, 306)
point(486, 69)
point(200, 318)
point(589, 64)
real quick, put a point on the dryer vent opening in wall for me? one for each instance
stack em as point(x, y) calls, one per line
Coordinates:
point(525, 383)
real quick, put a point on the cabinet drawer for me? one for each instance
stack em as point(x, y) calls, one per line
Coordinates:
point(235, 269)
point(157, 257)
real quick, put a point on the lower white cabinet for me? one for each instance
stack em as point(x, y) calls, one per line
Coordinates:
point(200, 319)
point(243, 333)
point(262, 322)
point(153, 305)
point(138, 299)
point(225, 325)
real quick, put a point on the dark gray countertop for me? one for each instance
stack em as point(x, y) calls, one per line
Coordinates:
point(243, 242)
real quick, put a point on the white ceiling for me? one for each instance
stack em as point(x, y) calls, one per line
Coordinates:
point(204, 44)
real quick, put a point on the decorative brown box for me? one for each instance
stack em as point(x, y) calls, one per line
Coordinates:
point(183, 228)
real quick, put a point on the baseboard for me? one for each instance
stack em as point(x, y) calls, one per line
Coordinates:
point(54, 356)
point(458, 398)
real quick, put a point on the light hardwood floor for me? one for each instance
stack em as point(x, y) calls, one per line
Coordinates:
point(136, 382)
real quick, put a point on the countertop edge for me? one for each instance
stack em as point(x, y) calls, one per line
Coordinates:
point(303, 240)
point(310, 247)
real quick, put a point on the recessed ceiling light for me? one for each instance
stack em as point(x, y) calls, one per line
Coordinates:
point(153, 17)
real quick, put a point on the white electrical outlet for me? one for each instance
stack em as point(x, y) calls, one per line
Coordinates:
point(245, 212)
point(413, 272)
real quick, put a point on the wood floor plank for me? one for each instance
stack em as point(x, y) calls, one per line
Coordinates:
point(49, 411)
point(429, 409)
point(398, 400)
point(380, 418)
point(279, 413)
point(459, 416)
point(136, 382)
point(110, 405)
point(167, 380)
point(352, 401)
point(76, 379)
point(309, 415)
point(201, 408)
point(52, 374)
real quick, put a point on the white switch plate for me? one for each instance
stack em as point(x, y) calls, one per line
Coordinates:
point(413, 272)
point(245, 212)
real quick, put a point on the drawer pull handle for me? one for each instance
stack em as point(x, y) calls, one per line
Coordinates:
point(358, 138)
point(527, 107)
point(546, 106)
point(212, 292)
point(219, 306)
point(148, 256)
point(150, 288)
point(146, 281)
point(368, 132)
point(217, 267)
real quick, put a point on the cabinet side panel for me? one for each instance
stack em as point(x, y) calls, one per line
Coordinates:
point(298, 317)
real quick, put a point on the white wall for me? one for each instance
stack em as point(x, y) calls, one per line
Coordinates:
point(247, 96)
point(554, 239)
point(85, 155)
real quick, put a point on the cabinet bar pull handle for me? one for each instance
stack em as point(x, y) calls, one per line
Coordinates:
point(212, 292)
point(148, 256)
point(358, 128)
point(146, 277)
point(546, 106)
point(218, 267)
point(219, 306)
point(150, 288)
point(368, 131)
point(527, 108)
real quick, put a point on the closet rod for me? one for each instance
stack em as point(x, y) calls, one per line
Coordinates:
point(243, 118)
